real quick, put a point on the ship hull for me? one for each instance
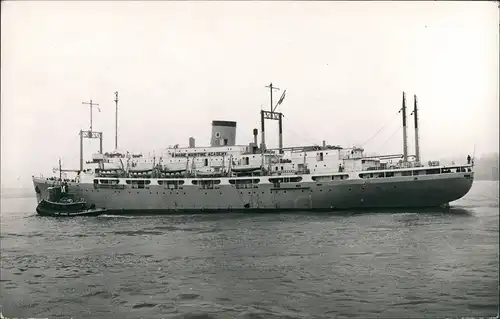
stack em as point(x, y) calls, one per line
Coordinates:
point(54, 209)
point(398, 192)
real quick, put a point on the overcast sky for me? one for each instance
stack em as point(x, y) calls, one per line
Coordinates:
point(180, 65)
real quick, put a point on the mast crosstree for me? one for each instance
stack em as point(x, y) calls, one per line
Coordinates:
point(91, 104)
point(272, 115)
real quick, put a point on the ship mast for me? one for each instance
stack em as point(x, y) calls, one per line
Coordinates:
point(263, 137)
point(116, 121)
point(89, 134)
point(60, 170)
point(272, 115)
point(405, 136)
point(271, 88)
point(415, 114)
point(90, 106)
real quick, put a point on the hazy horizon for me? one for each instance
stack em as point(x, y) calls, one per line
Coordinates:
point(180, 65)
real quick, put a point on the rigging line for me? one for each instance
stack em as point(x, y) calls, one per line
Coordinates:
point(380, 130)
point(302, 135)
point(393, 134)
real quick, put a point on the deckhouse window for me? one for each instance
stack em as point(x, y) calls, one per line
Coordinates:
point(293, 179)
point(171, 184)
point(140, 183)
point(325, 178)
point(432, 171)
point(109, 181)
point(206, 183)
point(244, 183)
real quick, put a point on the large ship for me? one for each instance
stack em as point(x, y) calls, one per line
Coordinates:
point(229, 177)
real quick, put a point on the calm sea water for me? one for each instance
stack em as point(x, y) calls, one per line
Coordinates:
point(301, 265)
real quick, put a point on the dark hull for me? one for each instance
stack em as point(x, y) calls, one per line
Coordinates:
point(419, 191)
point(46, 208)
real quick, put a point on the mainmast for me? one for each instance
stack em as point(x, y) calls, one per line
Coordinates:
point(60, 170)
point(415, 114)
point(272, 115)
point(271, 88)
point(116, 121)
point(89, 134)
point(405, 137)
point(90, 106)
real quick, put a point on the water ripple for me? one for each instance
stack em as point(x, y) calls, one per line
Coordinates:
point(363, 264)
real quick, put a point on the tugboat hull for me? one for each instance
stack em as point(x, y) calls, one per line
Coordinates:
point(47, 208)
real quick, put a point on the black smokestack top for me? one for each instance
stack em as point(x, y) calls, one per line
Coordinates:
point(224, 123)
point(255, 132)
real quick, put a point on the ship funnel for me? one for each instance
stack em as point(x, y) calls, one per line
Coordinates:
point(255, 132)
point(192, 142)
point(223, 133)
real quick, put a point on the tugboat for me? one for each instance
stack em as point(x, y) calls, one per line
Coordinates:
point(60, 203)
